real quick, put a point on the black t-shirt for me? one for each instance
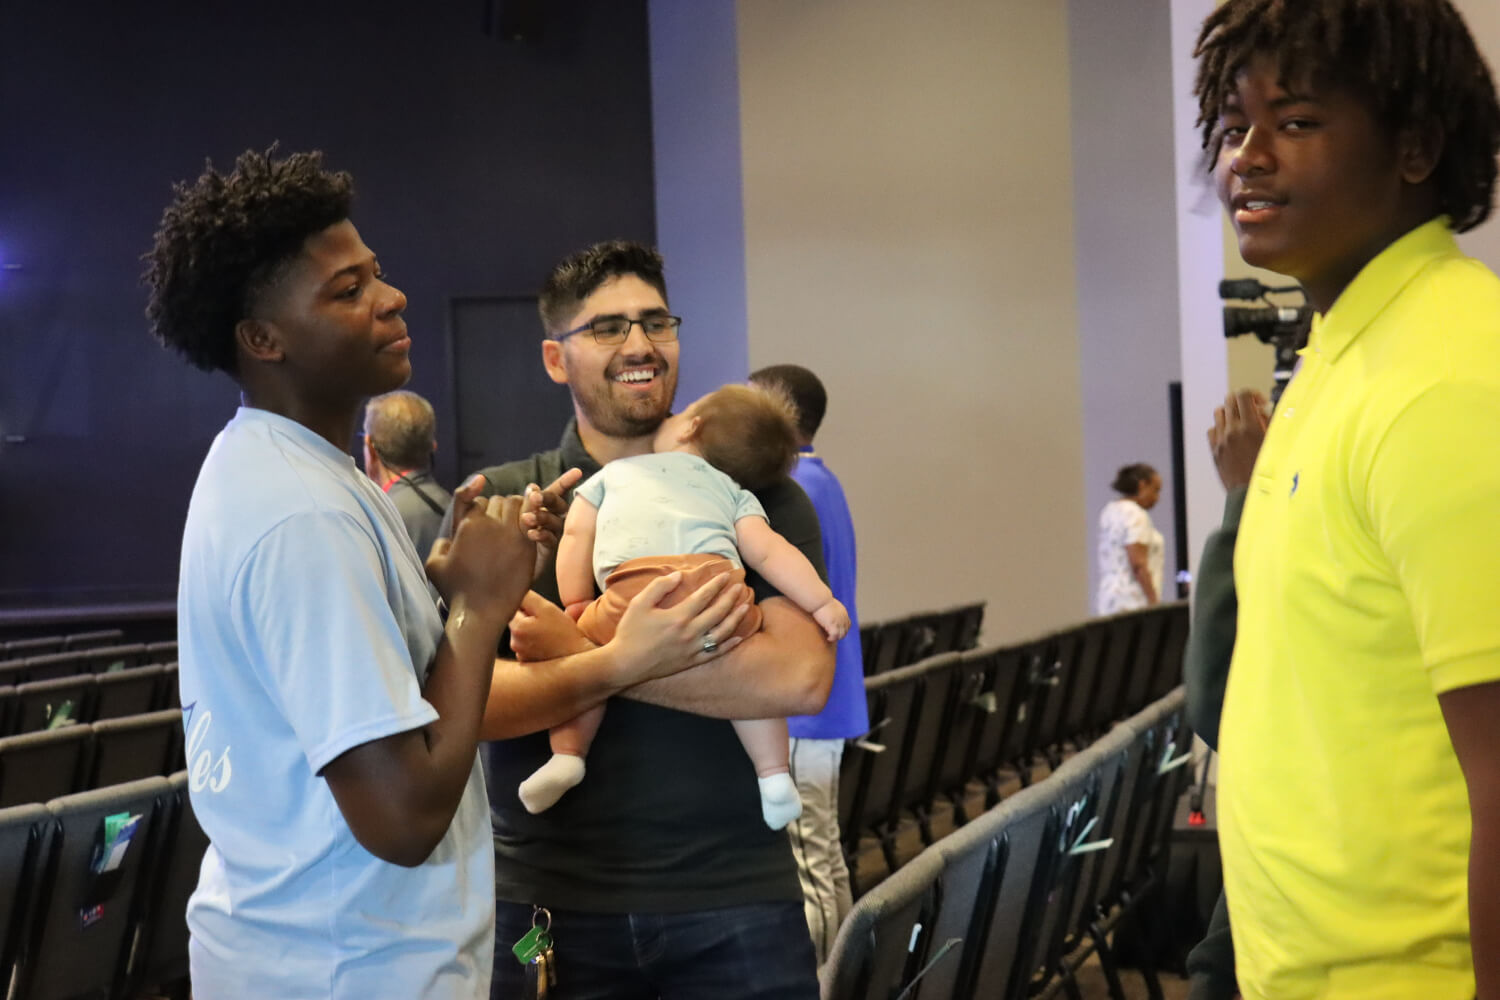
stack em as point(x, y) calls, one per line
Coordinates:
point(668, 817)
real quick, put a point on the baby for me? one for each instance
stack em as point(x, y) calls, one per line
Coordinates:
point(687, 507)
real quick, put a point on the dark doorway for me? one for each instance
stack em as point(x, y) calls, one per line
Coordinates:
point(505, 406)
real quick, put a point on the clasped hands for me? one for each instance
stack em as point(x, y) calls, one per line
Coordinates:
point(499, 543)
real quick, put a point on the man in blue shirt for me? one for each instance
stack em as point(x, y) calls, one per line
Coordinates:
point(818, 740)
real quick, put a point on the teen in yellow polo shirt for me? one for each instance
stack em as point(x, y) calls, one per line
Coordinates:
point(1360, 719)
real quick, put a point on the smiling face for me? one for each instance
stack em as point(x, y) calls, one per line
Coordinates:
point(337, 335)
point(620, 391)
point(1314, 185)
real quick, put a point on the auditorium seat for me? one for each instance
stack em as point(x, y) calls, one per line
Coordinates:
point(1048, 661)
point(19, 649)
point(93, 639)
point(21, 831)
point(884, 650)
point(996, 743)
point(49, 704)
point(917, 781)
point(165, 937)
point(1055, 881)
point(1039, 699)
point(70, 663)
point(161, 652)
point(1131, 874)
point(1146, 654)
point(103, 659)
point(13, 672)
point(87, 920)
point(970, 622)
point(879, 950)
point(170, 696)
point(974, 859)
point(1028, 820)
point(919, 638)
point(128, 692)
point(138, 746)
point(972, 703)
point(1023, 894)
point(897, 705)
point(1108, 761)
point(1119, 653)
point(1173, 648)
point(867, 631)
point(36, 767)
point(1081, 687)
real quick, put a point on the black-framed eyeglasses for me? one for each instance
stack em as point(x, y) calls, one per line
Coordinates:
point(659, 328)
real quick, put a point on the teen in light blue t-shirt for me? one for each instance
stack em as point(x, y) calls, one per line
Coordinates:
point(331, 721)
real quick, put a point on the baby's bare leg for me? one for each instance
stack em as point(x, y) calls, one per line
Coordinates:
point(570, 743)
point(765, 740)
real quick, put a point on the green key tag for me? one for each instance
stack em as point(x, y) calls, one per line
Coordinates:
point(536, 941)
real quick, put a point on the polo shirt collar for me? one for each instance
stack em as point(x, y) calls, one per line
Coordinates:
point(1381, 280)
point(574, 454)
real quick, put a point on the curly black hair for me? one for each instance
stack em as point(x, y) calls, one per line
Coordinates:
point(577, 276)
point(1413, 60)
point(222, 240)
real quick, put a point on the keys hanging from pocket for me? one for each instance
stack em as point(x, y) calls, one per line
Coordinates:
point(541, 975)
point(534, 951)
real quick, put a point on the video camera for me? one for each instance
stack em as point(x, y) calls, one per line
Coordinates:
point(1285, 328)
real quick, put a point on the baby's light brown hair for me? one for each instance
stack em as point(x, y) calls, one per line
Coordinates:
point(747, 432)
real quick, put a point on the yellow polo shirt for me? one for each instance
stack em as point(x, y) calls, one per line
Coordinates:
point(1368, 574)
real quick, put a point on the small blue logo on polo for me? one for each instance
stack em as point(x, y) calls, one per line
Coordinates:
point(1296, 478)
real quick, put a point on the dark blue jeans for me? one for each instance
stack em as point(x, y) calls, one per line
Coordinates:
point(760, 951)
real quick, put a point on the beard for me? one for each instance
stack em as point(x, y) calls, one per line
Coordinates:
point(611, 412)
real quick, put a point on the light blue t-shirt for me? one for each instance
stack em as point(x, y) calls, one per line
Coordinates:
point(305, 628)
point(669, 503)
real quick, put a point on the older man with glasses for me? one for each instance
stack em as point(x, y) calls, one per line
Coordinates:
point(657, 877)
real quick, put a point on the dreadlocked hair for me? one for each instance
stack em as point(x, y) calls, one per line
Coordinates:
point(222, 241)
point(1413, 60)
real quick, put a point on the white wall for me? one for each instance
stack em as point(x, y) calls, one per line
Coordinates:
point(1125, 232)
point(908, 235)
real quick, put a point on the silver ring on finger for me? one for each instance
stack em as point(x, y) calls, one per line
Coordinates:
point(710, 644)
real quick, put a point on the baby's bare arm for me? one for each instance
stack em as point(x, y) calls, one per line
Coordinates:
point(575, 553)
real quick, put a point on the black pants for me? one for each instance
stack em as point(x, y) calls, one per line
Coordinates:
point(1210, 965)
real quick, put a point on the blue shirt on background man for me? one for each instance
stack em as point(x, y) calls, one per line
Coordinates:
point(846, 714)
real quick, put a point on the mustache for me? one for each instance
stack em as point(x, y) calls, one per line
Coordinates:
point(654, 359)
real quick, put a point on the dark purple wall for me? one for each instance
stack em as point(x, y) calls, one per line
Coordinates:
point(478, 162)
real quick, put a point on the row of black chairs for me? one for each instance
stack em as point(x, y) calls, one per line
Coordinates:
point(38, 767)
point(96, 660)
point(939, 725)
point(68, 930)
point(903, 641)
point(1010, 905)
point(15, 649)
point(82, 698)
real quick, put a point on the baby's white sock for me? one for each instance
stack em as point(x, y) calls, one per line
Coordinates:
point(779, 801)
point(547, 783)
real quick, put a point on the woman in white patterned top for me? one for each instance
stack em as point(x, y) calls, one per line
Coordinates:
point(1130, 547)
